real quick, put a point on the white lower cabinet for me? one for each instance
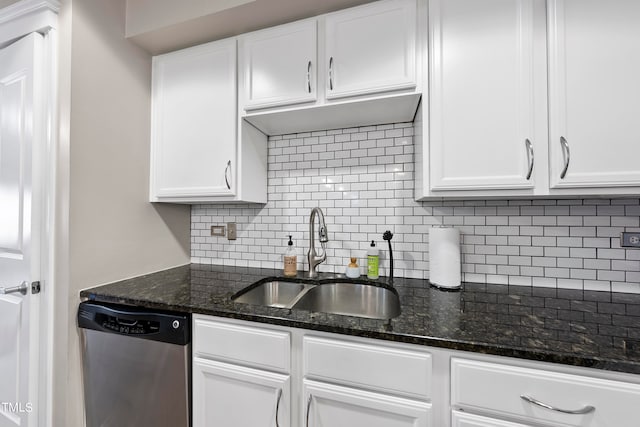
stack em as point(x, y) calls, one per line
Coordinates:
point(243, 377)
point(247, 374)
point(329, 405)
point(229, 395)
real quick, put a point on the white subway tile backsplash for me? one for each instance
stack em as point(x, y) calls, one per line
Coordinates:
point(363, 180)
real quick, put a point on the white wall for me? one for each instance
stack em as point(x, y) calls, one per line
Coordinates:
point(112, 231)
point(164, 25)
point(4, 3)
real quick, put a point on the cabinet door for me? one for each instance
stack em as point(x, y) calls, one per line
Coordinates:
point(334, 406)
point(371, 49)
point(279, 65)
point(488, 94)
point(233, 396)
point(462, 419)
point(194, 122)
point(594, 65)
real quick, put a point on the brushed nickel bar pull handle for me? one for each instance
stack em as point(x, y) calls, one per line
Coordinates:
point(226, 176)
point(567, 156)
point(587, 409)
point(23, 289)
point(331, 73)
point(308, 409)
point(530, 158)
point(278, 406)
point(309, 76)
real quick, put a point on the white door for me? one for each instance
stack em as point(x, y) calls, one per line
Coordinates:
point(488, 94)
point(279, 65)
point(371, 49)
point(19, 230)
point(234, 396)
point(194, 123)
point(594, 89)
point(328, 405)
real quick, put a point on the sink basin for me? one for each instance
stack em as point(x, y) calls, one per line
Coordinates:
point(273, 294)
point(351, 299)
point(336, 297)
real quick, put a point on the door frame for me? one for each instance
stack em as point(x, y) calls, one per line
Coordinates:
point(16, 21)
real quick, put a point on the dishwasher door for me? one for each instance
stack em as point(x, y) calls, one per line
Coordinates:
point(136, 366)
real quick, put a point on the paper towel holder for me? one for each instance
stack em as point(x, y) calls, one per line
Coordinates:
point(435, 283)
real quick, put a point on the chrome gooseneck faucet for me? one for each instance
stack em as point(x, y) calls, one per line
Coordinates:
point(312, 256)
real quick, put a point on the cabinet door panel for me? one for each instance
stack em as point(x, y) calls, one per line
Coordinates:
point(194, 121)
point(371, 49)
point(233, 396)
point(594, 92)
point(462, 419)
point(334, 406)
point(488, 93)
point(280, 65)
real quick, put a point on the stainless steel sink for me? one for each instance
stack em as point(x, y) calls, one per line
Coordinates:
point(274, 294)
point(336, 297)
point(351, 299)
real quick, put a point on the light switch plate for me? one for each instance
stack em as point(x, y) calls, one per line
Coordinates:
point(217, 230)
point(630, 240)
point(232, 231)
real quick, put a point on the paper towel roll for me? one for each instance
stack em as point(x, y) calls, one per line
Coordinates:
point(444, 257)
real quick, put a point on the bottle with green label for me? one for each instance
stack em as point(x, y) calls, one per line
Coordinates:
point(373, 260)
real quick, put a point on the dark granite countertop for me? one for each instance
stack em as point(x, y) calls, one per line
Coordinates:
point(581, 328)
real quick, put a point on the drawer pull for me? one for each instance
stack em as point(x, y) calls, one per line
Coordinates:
point(308, 409)
point(529, 158)
point(226, 177)
point(567, 156)
point(587, 409)
point(278, 406)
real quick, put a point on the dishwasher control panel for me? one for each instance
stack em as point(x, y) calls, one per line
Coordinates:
point(135, 321)
point(128, 327)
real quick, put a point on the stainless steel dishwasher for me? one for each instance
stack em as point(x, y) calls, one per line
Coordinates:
point(136, 366)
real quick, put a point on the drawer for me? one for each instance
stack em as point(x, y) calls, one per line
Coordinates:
point(376, 367)
point(245, 345)
point(497, 389)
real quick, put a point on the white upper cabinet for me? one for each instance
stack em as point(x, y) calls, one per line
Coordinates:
point(488, 94)
point(355, 67)
point(194, 121)
point(530, 98)
point(200, 152)
point(594, 88)
point(279, 65)
point(371, 49)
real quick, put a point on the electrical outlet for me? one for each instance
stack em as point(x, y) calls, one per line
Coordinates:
point(630, 240)
point(217, 230)
point(231, 231)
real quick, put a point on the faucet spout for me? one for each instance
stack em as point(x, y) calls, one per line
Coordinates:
point(323, 235)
